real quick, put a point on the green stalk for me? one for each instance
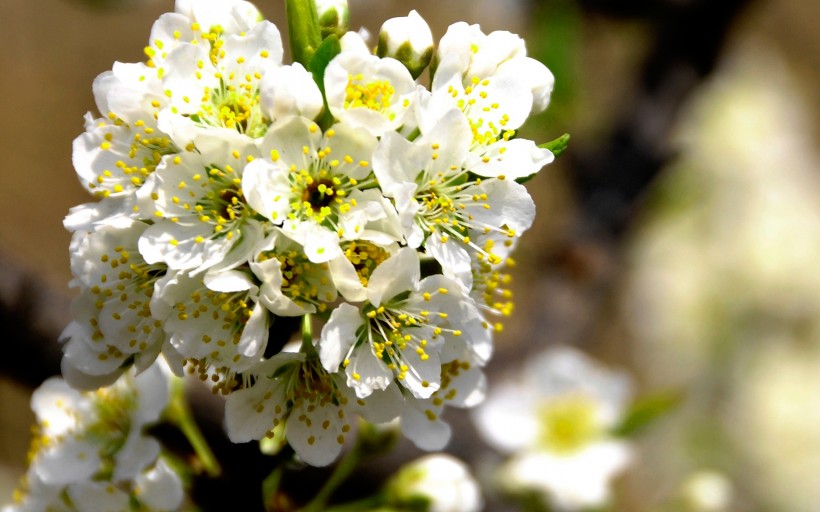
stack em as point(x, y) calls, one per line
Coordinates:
point(179, 414)
point(340, 473)
point(370, 503)
point(303, 30)
point(307, 336)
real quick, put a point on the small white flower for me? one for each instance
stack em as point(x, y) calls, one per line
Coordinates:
point(311, 184)
point(200, 211)
point(316, 408)
point(113, 326)
point(89, 452)
point(81, 434)
point(442, 205)
point(215, 87)
point(441, 480)
point(220, 16)
point(216, 323)
point(292, 285)
point(500, 53)
point(409, 40)
point(366, 91)
point(405, 330)
point(555, 418)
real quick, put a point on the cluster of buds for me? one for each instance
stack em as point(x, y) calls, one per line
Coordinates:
point(236, 190)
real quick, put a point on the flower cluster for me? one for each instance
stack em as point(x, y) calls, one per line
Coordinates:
point(89, 452)
point(235, 190)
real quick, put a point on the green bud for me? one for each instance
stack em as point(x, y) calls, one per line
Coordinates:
point(409, 40)
point(334, 17)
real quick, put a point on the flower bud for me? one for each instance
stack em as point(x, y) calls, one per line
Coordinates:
point(409, 40)
point(435, 483)
point(333, 16)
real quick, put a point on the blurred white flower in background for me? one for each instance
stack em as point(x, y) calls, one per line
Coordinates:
point(707, 491)
point(724, 297)
point(555, 417)
point(443, 482)
point(89, 451)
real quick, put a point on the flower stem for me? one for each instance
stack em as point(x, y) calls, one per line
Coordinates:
point(303, 30)
point(340, 473)
point(307, 336)
point(369, 503)
point(180, 415)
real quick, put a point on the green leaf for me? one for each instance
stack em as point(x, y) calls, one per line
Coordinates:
point(330, 48)
point(325, 53)
point(645, 411)
point(557, 146)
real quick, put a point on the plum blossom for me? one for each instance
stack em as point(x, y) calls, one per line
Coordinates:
point(554, 419)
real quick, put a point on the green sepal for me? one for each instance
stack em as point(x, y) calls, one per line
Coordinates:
point(557, 146)
point(645, 411)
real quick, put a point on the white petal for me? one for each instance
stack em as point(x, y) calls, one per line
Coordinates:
point(254, 337)
point(152, 388)
point(249, 415)
point(228, 281)
point(424, 376)
point(338, 336)
point(137, 453)
point(512, 159)
point(290, 90)
point(72, 460)
point(573, 482)
point(397, 161)
point(366, 373)
point(510, 205)
point(160, 488)
point(381, 406)
point(506, 419)
point(539, 78)
point(315, 431)
point(346, 279)
point(55, 402)
point(267, 189)
point(454, 260)
point(420, 423)
point(98, 496)
point(397, 274)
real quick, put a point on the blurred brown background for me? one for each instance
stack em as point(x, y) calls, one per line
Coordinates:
point(679, 237)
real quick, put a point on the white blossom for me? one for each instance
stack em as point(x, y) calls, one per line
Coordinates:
point(440, 204)
point(404, 331)
point(312, 184)
point(113, 326)
point(215, 322)
point(442, 481)
point(316, 409)
point(89, 452)
point(555, 418)
point(200, 211)
point(367, 91)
